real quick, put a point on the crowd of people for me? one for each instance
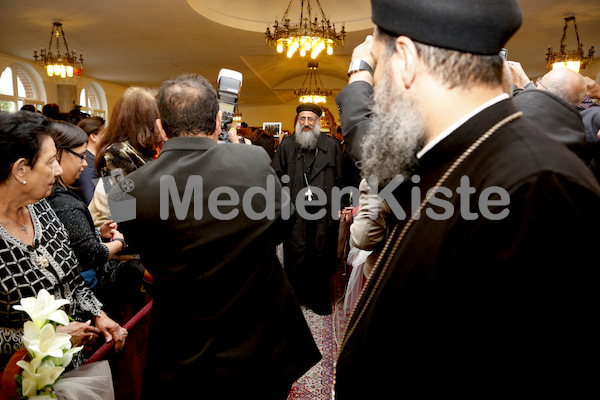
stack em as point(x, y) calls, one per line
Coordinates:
point(475, 194)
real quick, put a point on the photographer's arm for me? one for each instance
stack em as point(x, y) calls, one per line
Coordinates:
point(520, 78)
point(233, 137)
point(593, 89)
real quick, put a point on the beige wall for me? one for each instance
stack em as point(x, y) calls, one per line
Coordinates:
point(285, 113)
point(57, 92)
point(593, 71)
point(63, 91)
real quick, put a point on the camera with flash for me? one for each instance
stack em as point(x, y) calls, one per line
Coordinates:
point(228, 88)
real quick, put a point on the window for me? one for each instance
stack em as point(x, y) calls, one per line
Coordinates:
point(16, 90)
point(90, 102)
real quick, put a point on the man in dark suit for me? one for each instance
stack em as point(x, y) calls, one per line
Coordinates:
point(554, 116)
point(225, 322)
point(550, 104)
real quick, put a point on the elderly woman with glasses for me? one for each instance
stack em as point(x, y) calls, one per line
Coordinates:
point(35, 251)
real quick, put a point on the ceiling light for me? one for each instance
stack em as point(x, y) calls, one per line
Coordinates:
point(307, 35)
point(59, 64)
point(312, 90)
point(572, 59)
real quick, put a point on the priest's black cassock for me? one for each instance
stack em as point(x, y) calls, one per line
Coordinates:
point(480, 308)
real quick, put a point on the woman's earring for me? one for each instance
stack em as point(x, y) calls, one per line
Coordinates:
point(24, 182)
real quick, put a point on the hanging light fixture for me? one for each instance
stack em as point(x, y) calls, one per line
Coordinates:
point(307, 36)
point(572, 59)
point(58, 64)
point(309, 93)
point(237, 117)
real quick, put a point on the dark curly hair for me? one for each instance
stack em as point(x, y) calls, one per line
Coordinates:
point(21, 136)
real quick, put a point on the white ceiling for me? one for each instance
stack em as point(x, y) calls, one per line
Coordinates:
point(144, 42)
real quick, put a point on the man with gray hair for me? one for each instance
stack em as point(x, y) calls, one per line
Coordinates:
point(551, 110)
point(224, 315)
point(309, 163)
point(564, 83)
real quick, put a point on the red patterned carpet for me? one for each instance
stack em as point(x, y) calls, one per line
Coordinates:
point(327, 330)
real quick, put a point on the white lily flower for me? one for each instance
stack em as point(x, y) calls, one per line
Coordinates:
point(42, 373)
point(45, 341)
point(50, 350)
point(44, 307)
point(48, 374)
point(67, 357)
point(29, 367)
point(29, 387)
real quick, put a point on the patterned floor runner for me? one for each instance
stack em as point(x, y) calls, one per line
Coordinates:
point(327, 330)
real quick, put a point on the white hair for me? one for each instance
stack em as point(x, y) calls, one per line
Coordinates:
point(308, 140)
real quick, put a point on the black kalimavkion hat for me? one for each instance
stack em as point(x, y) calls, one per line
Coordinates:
point(309, 107)
point(470, 26)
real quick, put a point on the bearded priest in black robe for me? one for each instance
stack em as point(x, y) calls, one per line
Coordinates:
point(486, 288)
point(309, 164)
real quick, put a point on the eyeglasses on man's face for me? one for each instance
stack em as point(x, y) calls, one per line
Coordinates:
point(81, 156)
point(309, 119)
point(539, 83)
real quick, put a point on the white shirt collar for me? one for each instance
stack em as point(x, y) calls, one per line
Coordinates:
point(446, 132)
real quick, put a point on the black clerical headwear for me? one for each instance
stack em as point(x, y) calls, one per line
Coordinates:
point(309, 107)
point(471, 26)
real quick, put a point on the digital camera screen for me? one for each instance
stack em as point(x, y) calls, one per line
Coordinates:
point(227, 107)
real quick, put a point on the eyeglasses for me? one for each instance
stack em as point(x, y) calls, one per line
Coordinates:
point(81, 156)
point(539, 82)
point(309, 119)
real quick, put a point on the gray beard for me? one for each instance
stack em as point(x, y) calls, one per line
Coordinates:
point(307, 140)
point(396, 135)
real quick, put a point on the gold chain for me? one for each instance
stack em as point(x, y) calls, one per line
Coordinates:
point(23, 226)
point(351, 327)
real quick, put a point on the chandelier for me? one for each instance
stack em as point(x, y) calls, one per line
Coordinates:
point(572, 59)
point(309, 93)
point(58, 64)
point(307, 35)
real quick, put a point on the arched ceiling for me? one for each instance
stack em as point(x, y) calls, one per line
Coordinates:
point(144, 42)
point(256, 15)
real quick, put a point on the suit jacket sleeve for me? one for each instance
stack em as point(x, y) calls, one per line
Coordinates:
point(354, 106)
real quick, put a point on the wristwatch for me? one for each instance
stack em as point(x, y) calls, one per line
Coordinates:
point(359, 65)
point(122, 241)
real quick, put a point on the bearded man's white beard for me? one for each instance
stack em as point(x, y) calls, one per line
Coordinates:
point(308, 140)
point(396, 135)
